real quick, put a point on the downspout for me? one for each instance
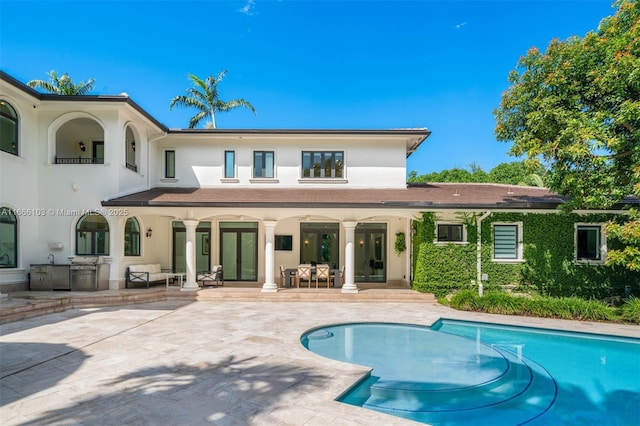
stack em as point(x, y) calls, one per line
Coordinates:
point(479, 251)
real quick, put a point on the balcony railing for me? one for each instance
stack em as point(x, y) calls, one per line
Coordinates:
point(132, 167)
point(78, 160)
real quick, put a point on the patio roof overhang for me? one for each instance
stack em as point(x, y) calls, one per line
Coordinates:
point(426, 197)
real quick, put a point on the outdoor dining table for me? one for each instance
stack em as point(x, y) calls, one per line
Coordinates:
point(290, 273)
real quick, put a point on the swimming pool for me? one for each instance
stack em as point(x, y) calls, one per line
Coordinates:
point(456, 373)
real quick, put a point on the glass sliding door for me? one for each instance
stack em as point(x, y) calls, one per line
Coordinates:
point(203, 247)
point(320, 243)
point(239, 251)
point(370, 252)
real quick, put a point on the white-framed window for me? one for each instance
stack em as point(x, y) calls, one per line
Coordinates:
point(590, 242)
point(450, 233)
point(507, 242)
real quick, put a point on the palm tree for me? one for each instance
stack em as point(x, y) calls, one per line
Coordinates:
point(204, 97)
point(62, 85)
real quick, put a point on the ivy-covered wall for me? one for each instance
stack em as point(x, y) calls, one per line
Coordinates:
point(548, 249)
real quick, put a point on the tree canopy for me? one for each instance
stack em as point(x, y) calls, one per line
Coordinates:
point(62, 85)
point(513, 173)
point(577, 107)
point(204, 97)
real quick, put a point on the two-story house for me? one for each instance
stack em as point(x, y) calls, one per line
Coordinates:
point(99, 176)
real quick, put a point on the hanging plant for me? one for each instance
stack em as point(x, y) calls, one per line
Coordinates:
point(401, 243)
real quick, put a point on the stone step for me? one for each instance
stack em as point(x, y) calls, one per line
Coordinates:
point(28, 304)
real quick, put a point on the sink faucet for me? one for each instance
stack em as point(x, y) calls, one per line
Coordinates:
point(51, 258)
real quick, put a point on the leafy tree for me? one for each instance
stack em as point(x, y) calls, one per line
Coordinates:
point(577, 107)
point(517, 173)
point(514, 173)
point(62, 85)
point(204, 97)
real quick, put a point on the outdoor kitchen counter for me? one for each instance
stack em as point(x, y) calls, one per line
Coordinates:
point(47, 276)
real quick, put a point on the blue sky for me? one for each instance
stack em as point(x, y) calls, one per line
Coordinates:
point(361, 64)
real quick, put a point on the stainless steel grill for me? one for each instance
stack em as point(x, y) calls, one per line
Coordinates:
point(88, 273)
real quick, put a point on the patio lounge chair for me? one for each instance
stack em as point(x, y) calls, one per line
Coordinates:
point(212, 277)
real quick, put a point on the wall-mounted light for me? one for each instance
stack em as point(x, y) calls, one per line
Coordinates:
point(149, 232)
point(361, 243)
point(306, 242)
point(133, 146)
point(83, 148)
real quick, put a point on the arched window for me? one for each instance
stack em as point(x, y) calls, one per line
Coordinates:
point(92, 235)
point(8, 128)
point(132, 237)
point(8, 238)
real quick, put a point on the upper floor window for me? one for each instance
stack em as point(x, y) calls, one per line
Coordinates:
point(229, 164)
point(92, 235)
point(322, 164)
point(8, 128)
point(170, 164)
point(130, 150)
point(506, 241)
point(8, 238)
point(450, 232)
point(132, 237)
point(263, 164)
point(589, 242)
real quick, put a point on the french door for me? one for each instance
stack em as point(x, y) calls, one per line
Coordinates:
point(239, 251)
point(370, 252)
point(203, 247)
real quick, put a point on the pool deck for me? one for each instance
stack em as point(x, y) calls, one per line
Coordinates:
point(196, 362)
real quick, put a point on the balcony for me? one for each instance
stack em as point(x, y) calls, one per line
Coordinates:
point(78, 160)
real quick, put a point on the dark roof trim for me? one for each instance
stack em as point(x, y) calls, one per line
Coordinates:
point(409, 132)
point(80, 98)
point(423, 133)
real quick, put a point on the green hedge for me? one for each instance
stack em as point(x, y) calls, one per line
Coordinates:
point(548, 250)
point(574, 308)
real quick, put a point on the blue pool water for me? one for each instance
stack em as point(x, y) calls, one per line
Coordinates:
point(459, 373)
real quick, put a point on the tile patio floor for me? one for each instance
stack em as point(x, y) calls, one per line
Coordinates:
point(194, 363)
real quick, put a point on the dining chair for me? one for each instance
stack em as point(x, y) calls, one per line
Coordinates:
point(323, 273)
point(303, 273)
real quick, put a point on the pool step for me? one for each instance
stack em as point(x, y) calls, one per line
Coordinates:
point(525, 391)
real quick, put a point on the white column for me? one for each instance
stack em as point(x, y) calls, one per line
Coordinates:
point(349, 285)
point(190, 283)
point(269, 285)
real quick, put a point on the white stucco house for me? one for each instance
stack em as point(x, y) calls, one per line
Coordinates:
point(99, 176)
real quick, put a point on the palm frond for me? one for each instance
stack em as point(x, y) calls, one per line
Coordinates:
point(196, 119)
point(227, 106)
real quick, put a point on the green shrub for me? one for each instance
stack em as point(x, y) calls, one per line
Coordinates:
point(464, 300)
point(574, 308)
point(631, 310)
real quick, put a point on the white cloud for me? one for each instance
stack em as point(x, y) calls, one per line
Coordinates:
point(460, 25)
point(248, 8)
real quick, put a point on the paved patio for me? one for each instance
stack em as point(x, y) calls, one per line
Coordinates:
point(183, 362)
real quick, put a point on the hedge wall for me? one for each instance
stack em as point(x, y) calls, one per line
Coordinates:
point(548, 244)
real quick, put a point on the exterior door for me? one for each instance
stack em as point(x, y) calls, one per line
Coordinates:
point(239, 251)
point(203, 247)
point(97, 154)
point(320, 243)
point(371, 253)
